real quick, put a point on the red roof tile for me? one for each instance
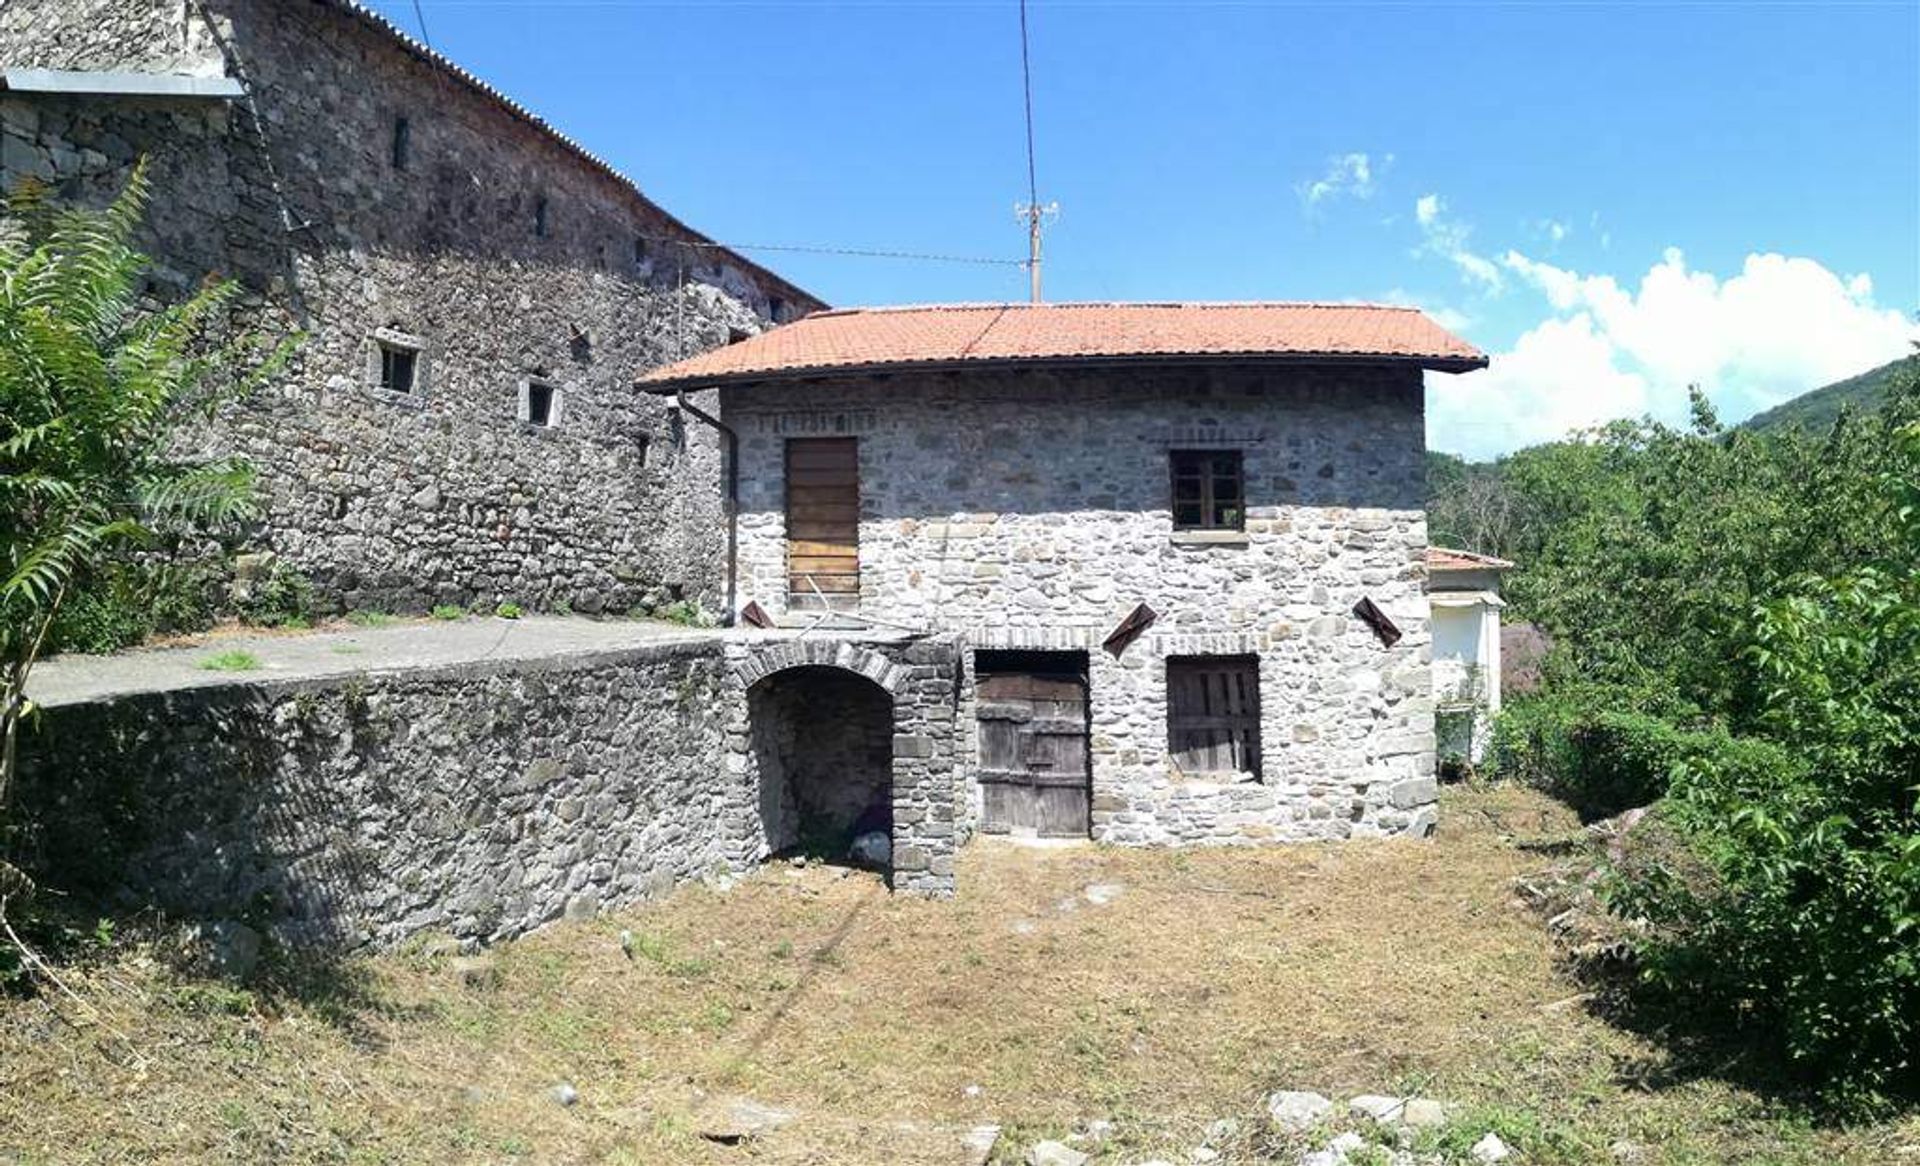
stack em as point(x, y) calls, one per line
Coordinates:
point(1449, 559)
point(954, 334)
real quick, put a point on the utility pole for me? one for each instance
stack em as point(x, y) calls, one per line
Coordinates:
point(1035, 213)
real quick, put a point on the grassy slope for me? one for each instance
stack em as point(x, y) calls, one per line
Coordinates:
point(1213, 978)
point(1817, 410)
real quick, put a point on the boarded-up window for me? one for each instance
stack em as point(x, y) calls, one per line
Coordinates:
point(1209, 491)
point(1213, 714)
point(823, 522)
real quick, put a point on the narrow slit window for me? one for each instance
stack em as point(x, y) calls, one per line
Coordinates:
point(539, 403)
point(402, 143)
point(398, 367)
point(540, 218)
point(639, 251)
point(1209, 489)
point(1213, 715)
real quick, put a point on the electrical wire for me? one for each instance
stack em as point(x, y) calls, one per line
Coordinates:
point(421, 17)
point(1026, 84)
point(856, 252)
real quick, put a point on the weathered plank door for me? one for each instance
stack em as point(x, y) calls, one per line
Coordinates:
point(1033, 752)
point(823, 522)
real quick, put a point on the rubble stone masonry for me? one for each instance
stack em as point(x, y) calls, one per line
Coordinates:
point(1030, 510)
point(490, 245)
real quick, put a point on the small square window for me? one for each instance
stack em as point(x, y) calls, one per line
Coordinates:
point(398, 367)
point(402, 143)
point(1209, 489)
point(1213, 714)
point(776, 308)
point(539, 403)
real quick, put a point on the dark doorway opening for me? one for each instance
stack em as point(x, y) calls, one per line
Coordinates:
point(822, 742)
point(1031, 709)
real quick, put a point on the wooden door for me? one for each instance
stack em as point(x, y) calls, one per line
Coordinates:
point(1034, 776)
point(823, 523)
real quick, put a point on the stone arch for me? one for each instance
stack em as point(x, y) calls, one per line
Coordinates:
point(841, 654)
point(915, 680)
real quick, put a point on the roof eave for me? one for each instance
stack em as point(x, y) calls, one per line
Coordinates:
point(670, 386)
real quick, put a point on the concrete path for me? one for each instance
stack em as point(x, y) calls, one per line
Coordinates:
point(343, 650)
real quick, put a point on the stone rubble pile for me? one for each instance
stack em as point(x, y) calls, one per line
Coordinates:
point(1370, 1130)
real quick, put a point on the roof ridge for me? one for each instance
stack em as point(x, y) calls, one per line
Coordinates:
point(988, 306)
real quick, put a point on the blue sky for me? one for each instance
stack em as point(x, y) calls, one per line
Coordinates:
point(1612, 199)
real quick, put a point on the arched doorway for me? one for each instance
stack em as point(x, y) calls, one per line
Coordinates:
point(821, 743)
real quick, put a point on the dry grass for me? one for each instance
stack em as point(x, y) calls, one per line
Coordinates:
point(1212, 978)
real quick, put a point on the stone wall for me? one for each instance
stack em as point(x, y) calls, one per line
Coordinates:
point(1029, 510)
point(479, 799)
point(443, 495)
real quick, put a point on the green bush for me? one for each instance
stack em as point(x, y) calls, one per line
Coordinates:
point(449, 611)
point(1806, 937)
point(126, 601)
point(508, 610)
point(269, 592)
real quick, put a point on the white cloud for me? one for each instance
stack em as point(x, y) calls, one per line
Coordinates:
point(1347, 176)
point(1445, 236)
point(1780, 326)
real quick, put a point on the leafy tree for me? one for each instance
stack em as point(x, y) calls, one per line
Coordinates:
point(1809, 930)
point(95, 391)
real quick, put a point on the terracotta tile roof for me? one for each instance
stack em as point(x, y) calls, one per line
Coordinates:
point(955, 334)
point(1449, 559)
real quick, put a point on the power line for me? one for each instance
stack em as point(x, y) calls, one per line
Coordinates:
point(1033, 212)
point(1026, 85)
point(421, 17)
point(856, 252)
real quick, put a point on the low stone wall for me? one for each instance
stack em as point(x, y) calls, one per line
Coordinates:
point(480, 799)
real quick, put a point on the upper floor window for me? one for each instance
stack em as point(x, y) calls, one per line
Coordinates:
point(402, 143)
point(539, 403)
point(1209, 489)
point(640, 250)
point(540, 217)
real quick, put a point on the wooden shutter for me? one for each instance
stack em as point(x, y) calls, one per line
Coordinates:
point(823, 521)
point(1213, 714)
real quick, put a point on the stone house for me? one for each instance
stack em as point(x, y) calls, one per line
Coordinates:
point(1182, 548)
point(478, 293)
point(1463, 588)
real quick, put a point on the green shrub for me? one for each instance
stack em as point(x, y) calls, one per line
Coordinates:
point(449, 611)
point(1806, 937)
point(685, 612)
point(269, 592)
point(126, 601)
point(508, 610)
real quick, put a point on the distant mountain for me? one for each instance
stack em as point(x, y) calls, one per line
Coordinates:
point(1816, 410)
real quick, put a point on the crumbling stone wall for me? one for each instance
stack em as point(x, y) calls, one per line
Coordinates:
point(443, 495)
point(1030, 510)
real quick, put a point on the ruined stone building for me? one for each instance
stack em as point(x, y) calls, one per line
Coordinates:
point(1181, 547)
point(477, 291)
